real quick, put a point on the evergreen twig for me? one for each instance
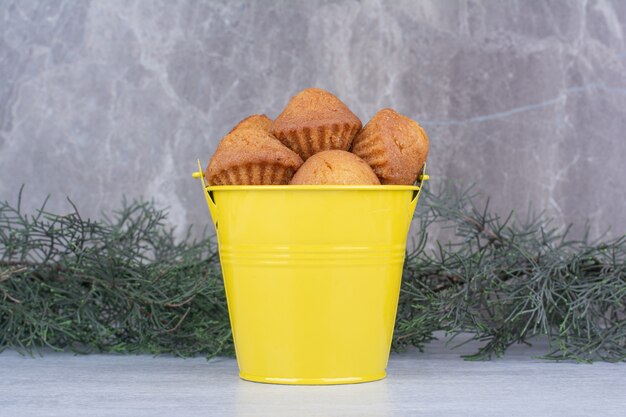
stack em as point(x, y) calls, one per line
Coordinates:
point(507, 282)
point(125, 284)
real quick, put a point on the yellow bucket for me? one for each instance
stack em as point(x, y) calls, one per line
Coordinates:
point(312, 277)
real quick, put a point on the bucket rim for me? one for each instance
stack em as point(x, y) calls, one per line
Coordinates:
point(416, 187)
point(313, 187)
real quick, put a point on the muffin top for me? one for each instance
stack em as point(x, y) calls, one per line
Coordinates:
point(395, 146)
point(335, 167)
point(312, 108)
point(249, 147)
point(256, 121)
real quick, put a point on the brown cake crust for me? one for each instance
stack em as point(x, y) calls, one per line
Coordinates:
point(251, 156)
point(315, 120)
point(395, 146)
point(256, 121)
point(335, 167)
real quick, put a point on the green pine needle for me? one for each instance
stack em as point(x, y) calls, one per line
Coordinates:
point(125, 284)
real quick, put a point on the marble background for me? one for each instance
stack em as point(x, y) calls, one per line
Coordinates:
point(103, 99)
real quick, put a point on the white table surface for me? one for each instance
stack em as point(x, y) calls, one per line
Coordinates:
point(434, 383)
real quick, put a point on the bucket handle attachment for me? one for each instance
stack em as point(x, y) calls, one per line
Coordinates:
point(207, 194)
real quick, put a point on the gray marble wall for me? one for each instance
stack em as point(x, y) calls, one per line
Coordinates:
point(103, 99)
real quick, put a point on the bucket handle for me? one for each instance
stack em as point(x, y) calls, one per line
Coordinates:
point(420, 182)
point(207, 194)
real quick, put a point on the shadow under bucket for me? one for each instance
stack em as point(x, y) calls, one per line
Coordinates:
point(312, 276)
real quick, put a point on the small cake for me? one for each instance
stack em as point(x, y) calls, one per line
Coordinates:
point(314, 121)
point(335, 167)
point(394, 146)
point(251, 156)
point(256, 121)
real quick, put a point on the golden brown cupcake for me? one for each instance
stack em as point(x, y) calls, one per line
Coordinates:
point(335, 167)
point(394, 146)
point(251, 157)
point(313, 121)
point(256, 121)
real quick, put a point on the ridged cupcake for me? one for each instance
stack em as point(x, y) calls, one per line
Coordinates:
point(394, 146)
point(314, 121)
point(251, 156)
point(335, 167)
point(256, 121)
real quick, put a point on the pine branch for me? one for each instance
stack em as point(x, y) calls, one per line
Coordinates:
point(125, 284)
point(509, 282)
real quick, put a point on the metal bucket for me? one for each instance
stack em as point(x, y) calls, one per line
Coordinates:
point(312, 277)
